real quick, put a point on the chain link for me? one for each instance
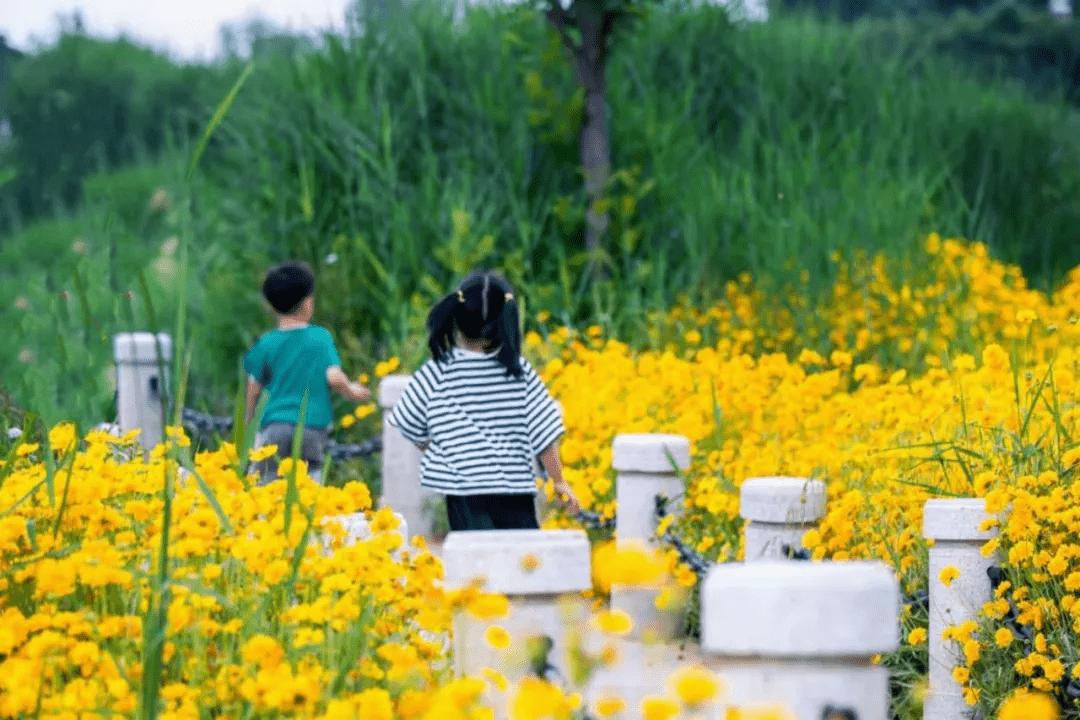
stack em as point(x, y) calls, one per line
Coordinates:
point(687, 555)
point(209, 425)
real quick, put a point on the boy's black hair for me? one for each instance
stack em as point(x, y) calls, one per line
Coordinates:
point(481, 308)
point(287, 285)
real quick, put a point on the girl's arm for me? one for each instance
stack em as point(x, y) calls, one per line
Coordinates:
point(552, 463)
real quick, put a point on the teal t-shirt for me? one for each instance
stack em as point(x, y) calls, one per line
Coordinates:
point(289, 362)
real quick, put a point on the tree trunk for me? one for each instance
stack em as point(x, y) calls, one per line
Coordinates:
point(594, 139)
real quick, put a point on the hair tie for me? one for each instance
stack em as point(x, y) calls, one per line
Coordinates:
point(508, 297)
point(460, 296)
point(484, 298)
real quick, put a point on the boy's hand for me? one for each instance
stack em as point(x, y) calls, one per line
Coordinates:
point(359, 393)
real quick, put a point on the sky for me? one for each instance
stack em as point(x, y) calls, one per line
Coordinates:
point(189, 29)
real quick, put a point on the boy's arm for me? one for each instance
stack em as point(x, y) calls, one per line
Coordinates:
point(342, 385)
point(254, 390)
point(549, 458)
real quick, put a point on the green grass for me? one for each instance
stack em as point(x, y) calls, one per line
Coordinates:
point(414, 155)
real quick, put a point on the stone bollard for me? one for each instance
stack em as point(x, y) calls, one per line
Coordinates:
point(802, 634)
point(401, 465)
point(646, 467)
point(778, 511)
point(542, 573)
point(140, 386)
point(1061, 8)
point(953, 526)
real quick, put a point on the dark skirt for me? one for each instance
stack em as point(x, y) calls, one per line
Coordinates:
point(492, 512)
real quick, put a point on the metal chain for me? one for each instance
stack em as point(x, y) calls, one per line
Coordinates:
point(593, 520)
point(687, 555)
point(209, 425)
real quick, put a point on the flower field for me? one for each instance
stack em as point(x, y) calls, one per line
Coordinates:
point(132, 589)
point(947, 377)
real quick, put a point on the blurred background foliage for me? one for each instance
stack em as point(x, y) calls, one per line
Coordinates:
point(430, 139)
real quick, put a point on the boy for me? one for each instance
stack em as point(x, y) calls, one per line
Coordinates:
point(289, 361)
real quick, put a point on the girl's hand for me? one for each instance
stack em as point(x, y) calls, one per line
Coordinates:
point(565, 496)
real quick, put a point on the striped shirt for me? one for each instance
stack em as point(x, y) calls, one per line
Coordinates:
point(483, 428)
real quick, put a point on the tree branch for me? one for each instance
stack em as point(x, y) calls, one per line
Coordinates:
point(561, 21)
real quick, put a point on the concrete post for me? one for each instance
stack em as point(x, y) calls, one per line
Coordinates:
point(401, 465)
point(357, 528)
point(646, 466)
point(953, 525)
point(778, 512)
point(543, 574)
point(802, 635)
point(139, 384)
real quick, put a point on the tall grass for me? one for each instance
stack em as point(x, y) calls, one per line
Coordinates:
point(770, 147)
point(396, 160)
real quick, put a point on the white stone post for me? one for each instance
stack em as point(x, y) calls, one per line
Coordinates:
point(401, 465)
point(778, 511)
point(801, 634)
point(357, 528)
point(645, 466)
point(1061, 8)
point(139, 384)
point(542, 573)
point(953, 526)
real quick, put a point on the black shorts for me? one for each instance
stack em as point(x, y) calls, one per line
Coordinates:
point(492, 512)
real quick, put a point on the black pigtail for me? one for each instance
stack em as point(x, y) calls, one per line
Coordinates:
point(440, 325)
point(507, 326)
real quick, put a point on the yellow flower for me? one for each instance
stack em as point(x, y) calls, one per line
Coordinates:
point(614, 622)
point(384, 368)
point(1028, 706)
point(1069, 457)
point(841, 359)
point(774, 712)
point(917, 636)
point(609, 706)
point(262, 651)
point(659, 708)
point(961, 674)
point(374, 704)
point(487, 606)
point(695, 685)
point(62, 437)
point(538, 699)
point(1003, 637)
point(497, 637)
point(529, 562)
point(347, 421)
point(26, 449)
point(1057, 566)
point(948, 574)
point(364, 410)
point(496, 678)
point(259, 454)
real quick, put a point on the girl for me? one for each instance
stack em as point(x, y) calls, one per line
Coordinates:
point(480, 414)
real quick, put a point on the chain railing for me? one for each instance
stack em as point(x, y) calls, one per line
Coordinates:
point(208, 425)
